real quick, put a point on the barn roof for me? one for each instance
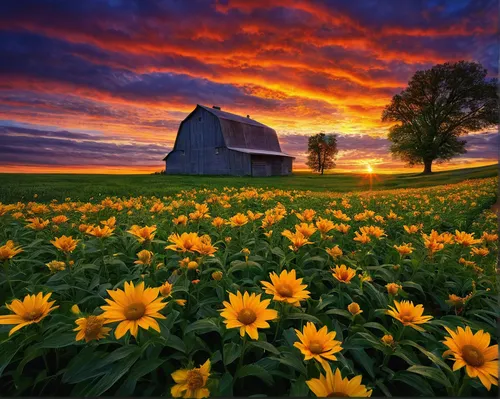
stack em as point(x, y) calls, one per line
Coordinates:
point(244, 134)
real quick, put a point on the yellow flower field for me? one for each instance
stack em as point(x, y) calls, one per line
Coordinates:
point(240, 292)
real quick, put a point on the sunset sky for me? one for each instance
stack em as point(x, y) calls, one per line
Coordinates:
point(101, 86)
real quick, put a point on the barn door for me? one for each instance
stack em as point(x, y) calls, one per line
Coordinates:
point(260, 168)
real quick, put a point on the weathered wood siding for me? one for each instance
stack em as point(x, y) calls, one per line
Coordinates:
point(199, 147)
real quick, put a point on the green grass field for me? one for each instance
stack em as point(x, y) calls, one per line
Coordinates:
point(21, 187)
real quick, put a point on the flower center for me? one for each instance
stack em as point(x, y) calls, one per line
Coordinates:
point(194, 379)
point(33, 315)
point(406, 318)
point(337, 394)
point(135, 311)
point(93, 327)
point(285, 290)
point(316, 347)
point(472, 356)
point(247, 316)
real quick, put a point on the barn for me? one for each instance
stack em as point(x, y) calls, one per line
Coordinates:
point(211, 141)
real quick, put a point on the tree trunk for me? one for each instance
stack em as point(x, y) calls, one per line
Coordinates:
point(427, 167)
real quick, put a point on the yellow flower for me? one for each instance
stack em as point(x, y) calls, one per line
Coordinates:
point(134, 307)
point(404, 249)
point(56, 266)
point(180, 302)
point(91, 328)
point(286, 288)
point(143, 234)
point(456, 301)
point(333, 385)
point(489, 237)
point(181, 219)
point(65, 244)
point(218, 222)
point(362, 238)
point(192, 265)
point(298, 240)
point(205, 247)
point(248, 313)
point(33, 309)
point(166, 289)
point(9, 250)
point(393, 288)
point(334, 252)
point(75, 309)
point(342, 228)
point(268, 234)
point(306, 216)
point(59, 219)
point(186, 242)
point(254, 216)
point(191, 383)
point(365, 277)
point(388, 340)
point(238, 220)
point(37, 224)
point(111, 222)
point(480, 251)
point(465, 239)
point(475, 353)
point(100, 232)
point(307, 230)
point(217, 275)
point(354, 309)
point(372, 231)
point(412, 229)
point(343, 274)
point(144, 257)
point(409, 314)
point(317, 344)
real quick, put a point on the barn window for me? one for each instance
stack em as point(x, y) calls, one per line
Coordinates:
point(199, 118)
point(216, 150)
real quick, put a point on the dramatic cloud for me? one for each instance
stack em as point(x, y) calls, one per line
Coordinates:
point(122, 75)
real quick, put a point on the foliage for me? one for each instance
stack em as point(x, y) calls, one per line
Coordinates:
point(438, 106)
point(321, 152)
point(44, 358)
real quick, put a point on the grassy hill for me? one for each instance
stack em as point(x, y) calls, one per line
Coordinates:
point(17, 187)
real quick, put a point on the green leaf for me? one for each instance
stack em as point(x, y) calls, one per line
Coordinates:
point(290, 360)
point(256, 371)
point(7, 353)
point(113, 374)
point(339, 312)
point(303, 316)
point(203, 325)
point(140, 369)
point(266, 346)
point(299, 388)
point(432, 357)
point(226, 386)
point(362, 358)
point(231, 352)
point(378, 326)
point(431, 373)
point(416, 382)
point(58, 341)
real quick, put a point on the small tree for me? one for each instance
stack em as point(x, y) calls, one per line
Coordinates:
point(438, 106)
point(321, 149)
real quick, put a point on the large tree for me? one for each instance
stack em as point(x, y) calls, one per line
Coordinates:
point(321, 152)
point(438, 106)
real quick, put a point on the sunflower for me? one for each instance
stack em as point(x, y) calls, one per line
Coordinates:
point(343, 273)
point(65, 244)
point(334, 252)
point(333, 385)
point(144, 257)
point(191, 383)
point(9, 250)
point(238, 220)
point(248, 313)
point(475, 353)
point(133, 308)
point(319, 345)
point(186, 242)
point(31, 310)
point(90, 328)
point(286, 288)
point(143, 234)
point(409, 314)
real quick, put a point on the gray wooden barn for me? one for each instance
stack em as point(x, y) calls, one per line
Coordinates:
point(214, 142)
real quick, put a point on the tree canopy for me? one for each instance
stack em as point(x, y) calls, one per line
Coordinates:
point(438, 106)
point(321, 149)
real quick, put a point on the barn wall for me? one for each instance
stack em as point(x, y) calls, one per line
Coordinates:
point(268, 165)
point(195, 147)
point(239, 163)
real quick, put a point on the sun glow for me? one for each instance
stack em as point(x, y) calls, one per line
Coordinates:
point(369, 169)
